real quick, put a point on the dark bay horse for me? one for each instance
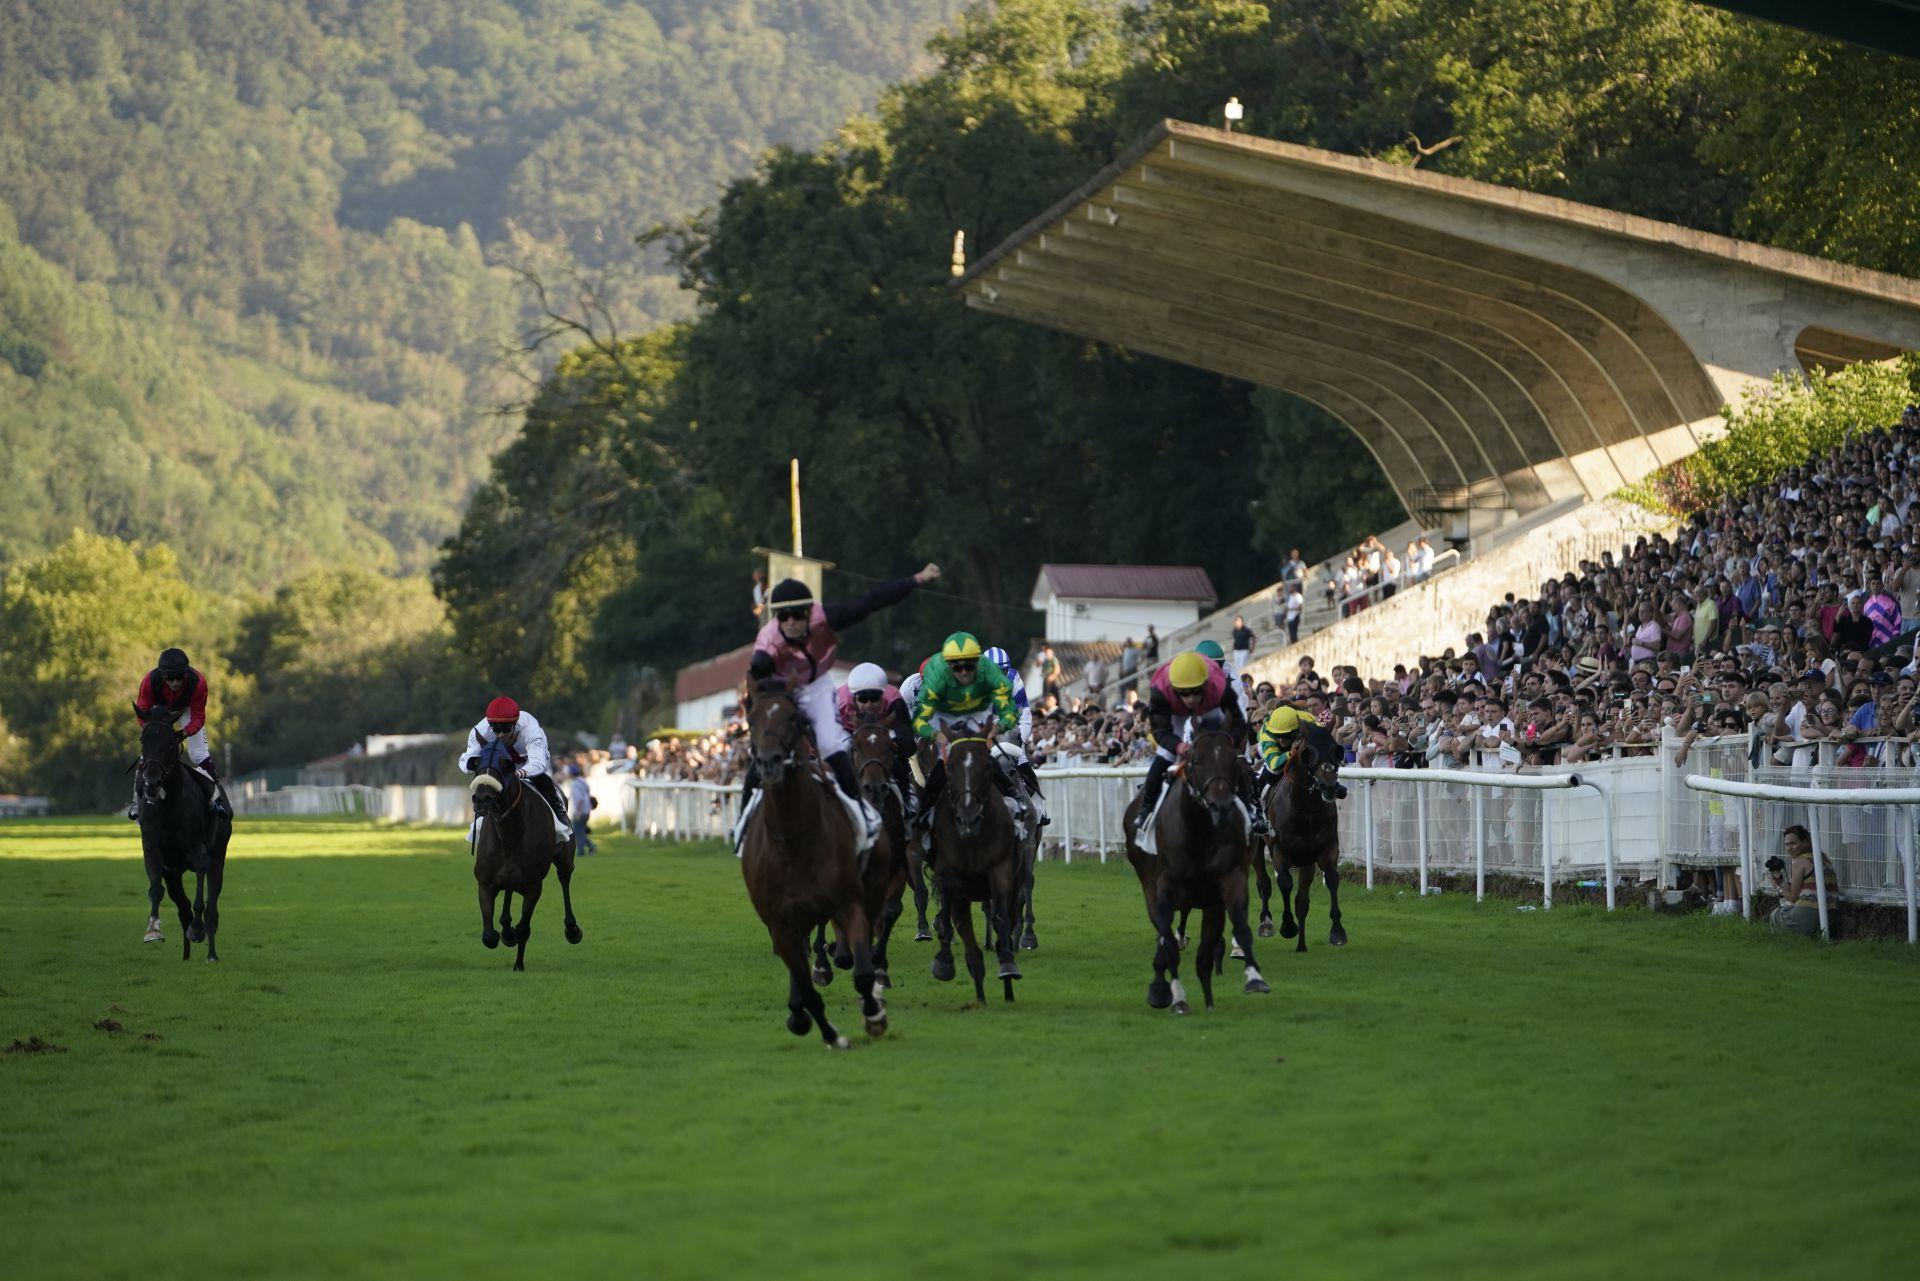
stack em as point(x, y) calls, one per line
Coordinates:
point(1306, 832)
point(179, 834)
point(1204, 858)
point(797, 857)
point(885, 876)
point(976, 859)
point(512, 850)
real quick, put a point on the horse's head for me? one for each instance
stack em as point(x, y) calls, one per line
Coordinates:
point(776, 734)
point(1315, 763)
point(1211, 762)
point(159, 756)
point(873, 762)
point(496, 780)
point(970, 784)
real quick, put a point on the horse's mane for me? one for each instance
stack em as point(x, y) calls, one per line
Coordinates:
point(1321, 740)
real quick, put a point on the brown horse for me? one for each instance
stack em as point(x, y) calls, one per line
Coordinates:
point(1204, 859)
point(797, 857)
point(976, 859)
point(512, 850)
point(1306, 832)
point(884, 878)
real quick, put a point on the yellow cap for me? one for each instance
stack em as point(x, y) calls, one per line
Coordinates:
point(1188, 671)
point(1287, 720)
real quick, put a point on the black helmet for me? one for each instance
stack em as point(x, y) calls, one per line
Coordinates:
point(173, 662)
point(790, 593)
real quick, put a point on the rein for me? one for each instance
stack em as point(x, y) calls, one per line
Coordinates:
point(1314, 784)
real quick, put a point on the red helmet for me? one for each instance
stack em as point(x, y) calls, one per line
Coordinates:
point(503, 709)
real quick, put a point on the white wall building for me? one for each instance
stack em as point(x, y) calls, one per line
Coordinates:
point(704, 693)
point(1115, 602)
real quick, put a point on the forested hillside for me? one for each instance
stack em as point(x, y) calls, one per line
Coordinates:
point(267, 237)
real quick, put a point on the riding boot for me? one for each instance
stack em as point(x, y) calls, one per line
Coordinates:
point(1012, 786)
point(217, 803)
point(1149, 798)
point(1250, 796)
point(930, 794)
point(841, 763)
point(748, 787)
point(1032, 781)
point(133, 806)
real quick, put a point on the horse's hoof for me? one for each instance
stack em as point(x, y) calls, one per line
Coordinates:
point(1159, 994)
point(1010, 970)
point(1181, 1007)
point(881, 979)
point(490, 941)
point(1183, 942)
point(519, 965)
point(195, 934)
point(843, 961)
point(213, 960)
point(1238, 953)
point(1337, 939)
point(840, 1043)
point(922, 934)
point(799, 1023)
point(1256, 987)
point(507, 935)
point(1266, 927)
point(1028, 943)
point(154, 935)
point(822, 976)
point(575, 934)
point(877, 1025)
point(942, 969)
point(1288, 930)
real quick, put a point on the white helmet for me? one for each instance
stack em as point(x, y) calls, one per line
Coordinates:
point(866, 676)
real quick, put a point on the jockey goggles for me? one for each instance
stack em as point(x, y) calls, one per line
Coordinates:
point(794, 614)
point(869, 696)
point(959, 665)
point(503, 729)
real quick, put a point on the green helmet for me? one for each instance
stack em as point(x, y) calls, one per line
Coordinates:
point(1211, 649)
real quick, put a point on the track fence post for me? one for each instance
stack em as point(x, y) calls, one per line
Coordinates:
point(1479, 844)
point(1420, 811)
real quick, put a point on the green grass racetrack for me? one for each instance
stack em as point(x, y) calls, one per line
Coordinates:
point(360, 1089)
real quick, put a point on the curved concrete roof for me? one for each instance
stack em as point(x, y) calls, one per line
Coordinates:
point(1525, 348)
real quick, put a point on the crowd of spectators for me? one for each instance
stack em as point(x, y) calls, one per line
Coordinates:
point(1782, 610)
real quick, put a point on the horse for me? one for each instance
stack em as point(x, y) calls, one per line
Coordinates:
point(885, 875)
point(797, 858)
point(976, 859)
point(1204, 858)
point(1306, 833)
point(917, 878)
point(178, 834)
point(513, 846)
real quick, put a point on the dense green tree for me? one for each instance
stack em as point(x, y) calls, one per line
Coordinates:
point(79, 626)
point(335, 654)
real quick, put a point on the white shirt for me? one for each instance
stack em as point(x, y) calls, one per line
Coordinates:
point(529, 740)
point(579, 796)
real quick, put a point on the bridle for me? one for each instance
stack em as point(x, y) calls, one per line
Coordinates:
point(873, 764)
point(1306, 759)
point(508, 780)
point(151, 787)
point(774, 765)
point(1196, 788)
point(968, 809)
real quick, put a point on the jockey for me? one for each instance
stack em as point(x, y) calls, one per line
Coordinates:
point(522, 734)
point(1279, 734)
point(1210, 649)
point(797, 646)
point(868, 699)
point(1189, 692)
point(1021, 762)
point(180, 689)
point(961, 690)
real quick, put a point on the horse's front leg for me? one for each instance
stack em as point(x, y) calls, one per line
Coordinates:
point(1265, 883)
point(1283, 877)
point(506, 917)
point(917, 878)
point(564, 869)
point(199, 907)
point(1002, 882)
point(525, 929)
point(890, 913)
point(852, 924)
point(216, 876)
point(961, 914)
point(489, 937)
point(804, 1006)
point(1242, 933)
point(822, 969)
point(1300, 906)
point(177, 891)
point(942, 967)
point(1166, 991)
point(155, 891)
point(1330, 869)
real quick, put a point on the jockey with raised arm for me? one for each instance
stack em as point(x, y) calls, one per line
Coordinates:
point(960, 690)
point(1191, 692)
point(869, 699)
point(178, 688)
point(1021, 763)
point(523, 735)
point(796, 647)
